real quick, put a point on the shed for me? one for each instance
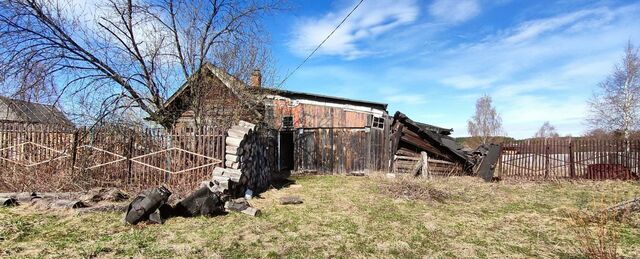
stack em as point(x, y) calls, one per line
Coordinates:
point(314, 132)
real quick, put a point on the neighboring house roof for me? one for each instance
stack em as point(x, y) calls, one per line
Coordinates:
point(234, 84)
point(30, 112)
point(432, 134)
point(326, 98)
point(174, 105)
point(227, 79)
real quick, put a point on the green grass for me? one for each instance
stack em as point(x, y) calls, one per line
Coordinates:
point(342, 217)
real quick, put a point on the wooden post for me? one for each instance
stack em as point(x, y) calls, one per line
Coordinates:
point(74, 150)
point(547, 159)
point(572, 162)
point(129, 155)
point(425, 165)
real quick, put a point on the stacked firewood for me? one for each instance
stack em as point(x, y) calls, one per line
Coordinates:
point(249, 151)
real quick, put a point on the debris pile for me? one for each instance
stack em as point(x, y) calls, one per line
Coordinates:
point(99, 199)
point(214, 197)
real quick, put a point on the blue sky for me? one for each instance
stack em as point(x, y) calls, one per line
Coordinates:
point(539, 60)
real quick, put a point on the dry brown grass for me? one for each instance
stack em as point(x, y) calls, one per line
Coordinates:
point(345, 217)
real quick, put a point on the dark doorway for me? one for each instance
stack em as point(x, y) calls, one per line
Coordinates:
point(286, 150)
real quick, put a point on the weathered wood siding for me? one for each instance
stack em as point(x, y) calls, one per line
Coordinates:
point(219, 106)
point(317, 116)
point(341, 151)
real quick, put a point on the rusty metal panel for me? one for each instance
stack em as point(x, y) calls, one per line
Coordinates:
point(317, 116)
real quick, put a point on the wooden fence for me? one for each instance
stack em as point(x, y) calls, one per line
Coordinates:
point(437, 168)
point(569, 158)
point(50, 158)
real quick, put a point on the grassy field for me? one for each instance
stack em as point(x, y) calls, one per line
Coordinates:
point(345, 217)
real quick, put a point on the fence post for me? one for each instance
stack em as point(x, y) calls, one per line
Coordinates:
point(129, 155)
point(572, 162)
point(74, 150)
point(547, 159)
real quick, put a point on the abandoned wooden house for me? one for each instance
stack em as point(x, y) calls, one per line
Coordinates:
point(310, 132)
point(14, 111)
point(410, 138)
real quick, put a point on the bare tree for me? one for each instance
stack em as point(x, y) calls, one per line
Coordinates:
point(129, 54)
point(616, 104)
point(486, 122)
point(546, 131)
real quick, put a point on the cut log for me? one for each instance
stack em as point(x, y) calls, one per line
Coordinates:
point(233, 174)
point(233, 150)
point(228, 164)
point(104, 194)
point(241, 205)
point(247, 125)
point(20, 197)
point(218, 171)
point(242, 129)
point(290, 200)
point(103, 208)
point(233, 141)
point(232, 158)
point(237, 132)
point(58, 204)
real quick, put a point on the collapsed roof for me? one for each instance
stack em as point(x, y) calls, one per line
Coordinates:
point(420, 136)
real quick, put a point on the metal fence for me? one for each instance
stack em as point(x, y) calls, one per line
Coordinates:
point(48, 158)
point(569, 158)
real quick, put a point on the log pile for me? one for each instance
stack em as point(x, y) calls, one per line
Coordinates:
point(249, 157)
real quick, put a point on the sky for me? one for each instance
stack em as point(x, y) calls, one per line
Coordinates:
point(539, 60)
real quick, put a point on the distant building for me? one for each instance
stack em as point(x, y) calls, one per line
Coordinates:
point(24, 112)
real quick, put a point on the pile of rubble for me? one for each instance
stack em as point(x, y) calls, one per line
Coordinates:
point(99, 199)
point(214, 197)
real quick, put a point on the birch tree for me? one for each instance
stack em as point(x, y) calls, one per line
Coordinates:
point(546, 131)
point(486, 122)
point(615, 106)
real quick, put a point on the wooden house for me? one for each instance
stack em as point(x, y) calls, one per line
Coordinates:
point(14, 111)
point(314, 133)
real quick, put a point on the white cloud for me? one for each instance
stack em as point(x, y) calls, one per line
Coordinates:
point(370, 20)
point(577, 21)
point(454, 11)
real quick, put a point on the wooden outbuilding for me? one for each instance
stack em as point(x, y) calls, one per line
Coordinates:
point(312, 132)
point(410, 138)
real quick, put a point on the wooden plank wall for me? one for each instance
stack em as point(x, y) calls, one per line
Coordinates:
point(341, 151)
